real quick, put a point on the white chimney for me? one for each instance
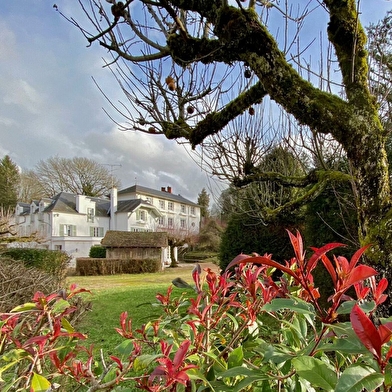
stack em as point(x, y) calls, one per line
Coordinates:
point(113, 208)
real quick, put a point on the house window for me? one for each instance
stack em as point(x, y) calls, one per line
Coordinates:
point(162, 204)
point(183, 223)
point(57, 247)
point(141, 215)
point(183, 209)
point(170, 206)
point(90, 215)
point(193, 211)
point(161, 221)
point(68, 230)
point(96, 231)
point(170, 222)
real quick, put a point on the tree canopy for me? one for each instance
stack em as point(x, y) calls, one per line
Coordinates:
point(81, 176)
point(200, 71)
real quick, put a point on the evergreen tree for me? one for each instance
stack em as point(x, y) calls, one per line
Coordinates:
point(204, 202)
point(9, 184)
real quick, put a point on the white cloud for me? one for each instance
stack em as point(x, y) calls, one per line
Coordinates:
point(24, 95)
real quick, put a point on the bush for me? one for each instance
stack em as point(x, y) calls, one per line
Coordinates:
point(88, 266)
point(53, 262)
point(18, 283)
point(97, 252)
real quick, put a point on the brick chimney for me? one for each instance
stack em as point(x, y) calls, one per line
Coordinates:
point(169, 189)
point(163, 189)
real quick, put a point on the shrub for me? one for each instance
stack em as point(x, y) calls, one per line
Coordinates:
point(18, 283)
point(89, 266)
point(53, 262)
point(97, 252)
point(237, 331)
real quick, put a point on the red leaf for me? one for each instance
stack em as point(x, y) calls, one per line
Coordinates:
point(261, 260)
point(237, 260)
point(330, 268)
point(297, 244)
point(181, 353)
point(366, 331)
point(118, 361)
point(359, 274)
point(319, 252)
point(356, 256)
point(385, 332)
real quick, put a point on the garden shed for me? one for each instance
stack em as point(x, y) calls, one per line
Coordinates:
point(135, 245)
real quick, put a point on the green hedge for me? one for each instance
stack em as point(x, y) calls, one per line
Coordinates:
point(89, 266)
point(53, 262)
point(97, 252)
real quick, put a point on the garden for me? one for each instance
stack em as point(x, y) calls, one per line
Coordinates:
point(258, 326)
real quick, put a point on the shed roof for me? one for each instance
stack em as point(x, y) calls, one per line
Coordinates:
point(131, 239)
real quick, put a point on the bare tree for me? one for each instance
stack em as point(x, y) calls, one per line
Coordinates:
point(165, 42)
point(77, 175)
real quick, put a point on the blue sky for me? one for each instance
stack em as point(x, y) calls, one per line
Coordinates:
point(50, 105)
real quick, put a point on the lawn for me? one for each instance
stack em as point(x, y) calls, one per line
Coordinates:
point(114, 294)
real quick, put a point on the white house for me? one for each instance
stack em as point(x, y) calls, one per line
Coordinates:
point(74, 223)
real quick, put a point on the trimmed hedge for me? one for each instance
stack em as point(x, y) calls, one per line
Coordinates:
point(97, 252)
point(88, 266)
point(53, 262)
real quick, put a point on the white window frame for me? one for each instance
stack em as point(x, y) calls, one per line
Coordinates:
point(182, 223)
point(170, 206)
point(162, 204)
point(170, 222)
point(90, 215)
point(96, 231)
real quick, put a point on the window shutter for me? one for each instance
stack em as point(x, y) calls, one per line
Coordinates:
point(137, 215)
point(73, 231)
point(101, 231)
point(62, 230)
point(91, 231)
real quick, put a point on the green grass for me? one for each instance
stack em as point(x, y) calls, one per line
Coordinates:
point(114, 294)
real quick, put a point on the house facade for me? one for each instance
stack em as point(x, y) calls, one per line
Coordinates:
point(74, 223)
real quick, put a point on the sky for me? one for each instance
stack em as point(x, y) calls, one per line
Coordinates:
point(50, 105)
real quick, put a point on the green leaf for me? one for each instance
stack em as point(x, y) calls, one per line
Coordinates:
point(317, 372)
point(357, 378)
point(248, 381)
point(125, 348)
point(236, 358)
point(142, 362)
point(347, 306)
point(240, 371)
point(67, 325)
point(24, 307)
point(196, 374)
point(60, 305)
point(295, 305)
point(39, 383)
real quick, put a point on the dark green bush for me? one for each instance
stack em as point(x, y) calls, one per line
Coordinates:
point(97, 252)
point(53, 262)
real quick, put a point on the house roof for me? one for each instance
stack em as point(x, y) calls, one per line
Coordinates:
point(66, 202)
point(129, 239)
point(160, 194)
point(133, 204)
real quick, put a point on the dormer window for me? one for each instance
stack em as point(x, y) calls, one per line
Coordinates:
point(141, 216)
point(90, 215)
